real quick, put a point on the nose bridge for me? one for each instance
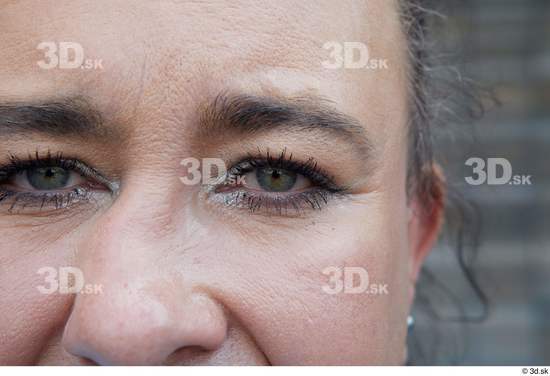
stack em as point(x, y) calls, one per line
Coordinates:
point(121, 246)
point(143, 225)
point(144, 309)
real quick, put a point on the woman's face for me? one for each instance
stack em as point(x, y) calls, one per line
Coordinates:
point(310, 254)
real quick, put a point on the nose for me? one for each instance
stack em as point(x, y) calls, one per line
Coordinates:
point(140, 311)
point(132, 329)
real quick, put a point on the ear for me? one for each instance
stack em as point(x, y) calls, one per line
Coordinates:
point(425, 221)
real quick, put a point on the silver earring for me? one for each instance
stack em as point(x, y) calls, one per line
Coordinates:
point(410, 324)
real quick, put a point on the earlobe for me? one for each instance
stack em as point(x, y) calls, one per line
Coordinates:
point(425, 220)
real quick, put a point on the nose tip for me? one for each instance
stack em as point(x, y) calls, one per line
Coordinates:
point(144, 333)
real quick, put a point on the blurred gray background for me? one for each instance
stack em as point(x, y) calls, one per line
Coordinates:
point(504, 45)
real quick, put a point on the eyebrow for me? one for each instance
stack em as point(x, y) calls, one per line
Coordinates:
point(227, 114)
point(247, 114)
point(69, 117)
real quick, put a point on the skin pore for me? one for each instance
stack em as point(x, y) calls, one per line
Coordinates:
point(190, 275)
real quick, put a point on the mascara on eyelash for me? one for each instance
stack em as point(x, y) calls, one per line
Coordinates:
point(285, 161)
point(16, 165)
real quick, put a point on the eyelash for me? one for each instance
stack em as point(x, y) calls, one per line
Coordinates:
point(315, 198)
point(59, 199)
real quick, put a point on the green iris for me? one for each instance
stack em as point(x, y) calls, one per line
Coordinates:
point(48, 178)
point(275, 180)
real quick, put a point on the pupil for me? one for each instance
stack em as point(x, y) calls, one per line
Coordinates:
point(276, 180)
point(48, 178)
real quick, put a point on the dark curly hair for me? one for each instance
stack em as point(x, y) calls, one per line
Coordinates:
point(434, 87)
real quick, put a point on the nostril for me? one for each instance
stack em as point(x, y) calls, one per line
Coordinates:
point(83, 361)
point(82, 357)
point(186, 354)
point(78, 342)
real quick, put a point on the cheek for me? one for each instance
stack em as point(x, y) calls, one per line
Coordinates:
point(306, 290)
point(29, 317)
point(273, 278)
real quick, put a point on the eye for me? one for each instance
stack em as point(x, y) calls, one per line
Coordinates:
point(46, 178)
point(271, 179)
point(41, 183)
point(282, 186)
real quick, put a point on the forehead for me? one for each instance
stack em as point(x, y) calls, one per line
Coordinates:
point(157, 54)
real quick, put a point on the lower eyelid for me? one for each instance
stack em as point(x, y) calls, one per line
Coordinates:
point(27, 200)
point(285, 204)
point(33, 203)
